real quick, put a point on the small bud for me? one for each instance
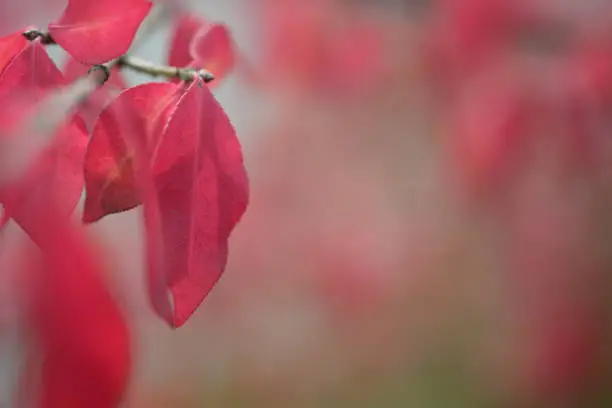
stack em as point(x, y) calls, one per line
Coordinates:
point(207, 76)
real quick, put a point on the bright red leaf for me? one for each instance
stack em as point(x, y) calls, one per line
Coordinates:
point(83, 343)
point(94, 32)
point(201, 192)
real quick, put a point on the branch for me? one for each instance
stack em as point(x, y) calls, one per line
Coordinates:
point(146, 67)
point(134, 63)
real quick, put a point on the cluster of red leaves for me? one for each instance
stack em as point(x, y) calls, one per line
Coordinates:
point(167, 146)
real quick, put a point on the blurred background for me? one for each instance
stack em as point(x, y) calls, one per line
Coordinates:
point(430, 223)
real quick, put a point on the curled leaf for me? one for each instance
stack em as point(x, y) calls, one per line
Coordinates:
point(110, 178)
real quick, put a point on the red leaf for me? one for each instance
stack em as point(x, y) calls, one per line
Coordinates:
point(197, 44)
point(94, 32)
point(56, 177)
point(109, 162)
point(10, 46)
point(82, 338)
point(201, 192)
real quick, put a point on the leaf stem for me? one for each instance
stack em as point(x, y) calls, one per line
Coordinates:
point(143, 66)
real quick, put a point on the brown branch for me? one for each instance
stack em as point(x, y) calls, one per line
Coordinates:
point(145, 67)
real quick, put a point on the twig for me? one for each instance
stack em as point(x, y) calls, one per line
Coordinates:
point(146, 67)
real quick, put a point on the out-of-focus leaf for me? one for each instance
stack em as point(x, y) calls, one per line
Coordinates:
point(198, 44)
point(83, 343)
point(212, 49)
point(56, 175)
point(184, 30)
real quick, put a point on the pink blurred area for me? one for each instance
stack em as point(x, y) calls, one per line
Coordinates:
point(15, 15)
point(430, 218)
